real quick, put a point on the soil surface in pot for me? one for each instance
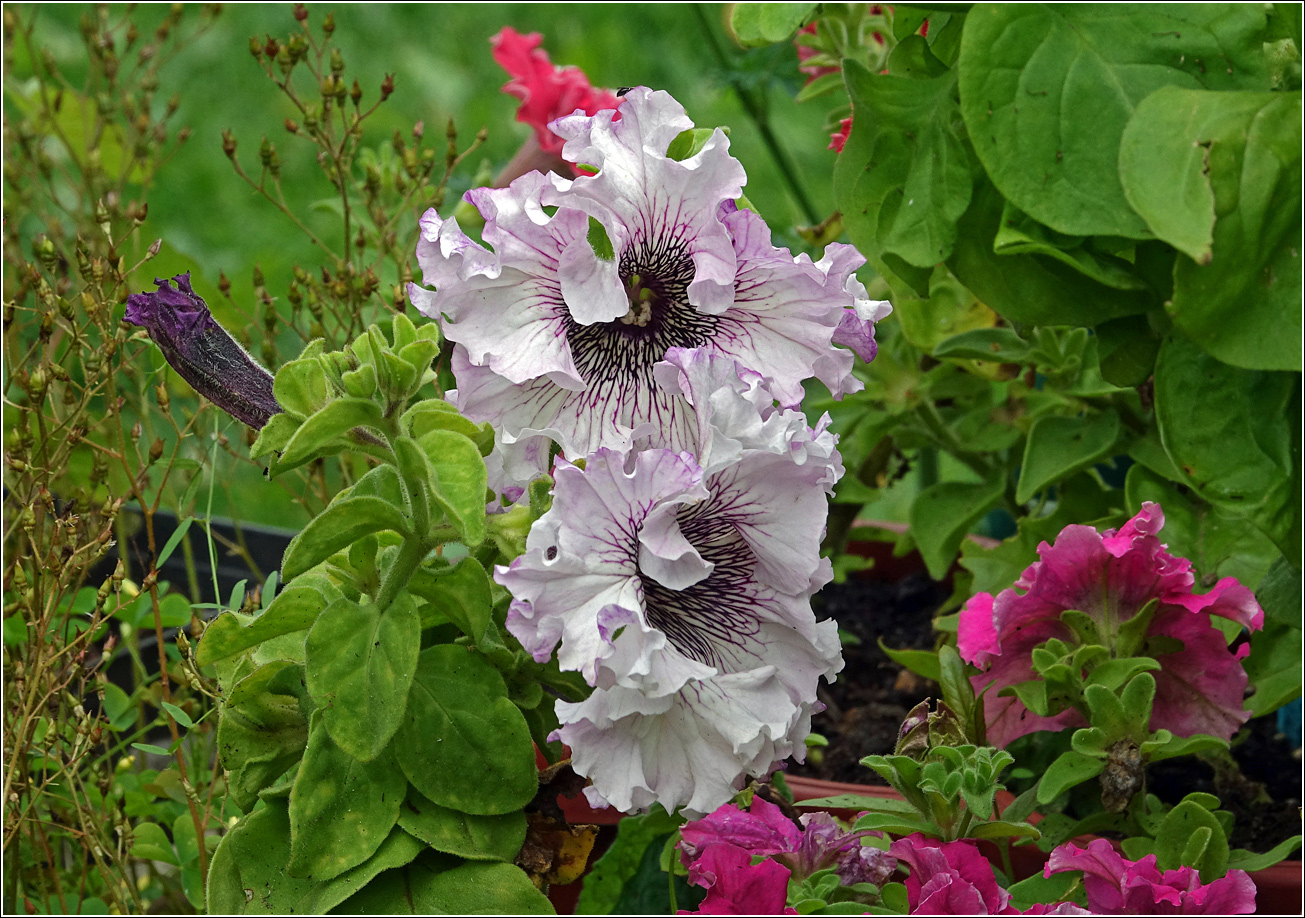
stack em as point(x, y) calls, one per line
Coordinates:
point(866, 706)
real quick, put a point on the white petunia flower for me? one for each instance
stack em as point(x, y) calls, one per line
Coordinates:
point(554, 342)
point(680, 588)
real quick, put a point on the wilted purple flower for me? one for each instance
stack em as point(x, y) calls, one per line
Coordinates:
point(679, 585)
point(764, 830)
point(1117, 886)
point(556, 341)
point(202, 352)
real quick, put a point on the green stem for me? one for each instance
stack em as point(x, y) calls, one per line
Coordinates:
point(411, 554)
point(787, 170)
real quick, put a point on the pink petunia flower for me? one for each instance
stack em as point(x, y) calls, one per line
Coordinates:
point(838, 140)
point(546, 92)
point(953, 878)
point(1117, 886)
point(1111, 577)
point(736, 886)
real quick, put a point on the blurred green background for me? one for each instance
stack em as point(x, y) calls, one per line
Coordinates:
point(212, 223)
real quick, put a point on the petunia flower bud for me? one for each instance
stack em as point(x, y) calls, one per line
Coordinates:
point(202, 352)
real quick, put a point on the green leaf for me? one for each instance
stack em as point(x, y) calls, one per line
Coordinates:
point(1279, 594)
point(1241, 859)
point(1274, 668)
point(858, 802)
point(435, 414)
point(1069, 770)
point(477, 838)
point(150, 747)
point(1218, 176)
point(118, 707)
point(275, 434)
point(759, 24)
point(948, 309)
point(460, 481)
point(920, 662)
point(941, 516)
point(1032, 289)
point(262, 731)
point(1024, 66)
point(360, 666)
point(605, 881)
point(904, 177)
point(1127, 350)
point(180, 716)
point(341, 809)
point(1002, 345)
point(248, 873)
point(1176, 832)
point(463, 595)
point(151, 843)
point(293, 609)
point(338, 526)
point(300, 387)
point(441, 885)
point(1058, 447)
point(1002, 829)
point(1225, 429)
point(463, 744)
point(173, 541)
point(319, 435)
point(1020, 234)
point(1038, 889)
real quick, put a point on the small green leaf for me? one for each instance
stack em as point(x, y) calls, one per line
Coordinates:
point(151, 843)
point(320, 434)
point(118, 707)
point(180, 716)
point(338, 526)
point(758, 24)
point(173, 541)
point(920, 662)
point(300, 387)
point(150, 747)
point(462, 595)
point(1241, 859)
point(273, 437)
point(460, 481)
point(1069, 770)
point(1176, 833)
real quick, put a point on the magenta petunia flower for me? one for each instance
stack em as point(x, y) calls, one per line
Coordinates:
point(546, 92)
point(1111, 577)
point(736, 886)
point(554, 341)
point(202, 352)
point(953, 878)
point(1118, 886)
point(764, 830)
point(679, 585)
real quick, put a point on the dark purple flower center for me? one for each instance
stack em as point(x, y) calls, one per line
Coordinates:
point(717, 611)
point(656, 274)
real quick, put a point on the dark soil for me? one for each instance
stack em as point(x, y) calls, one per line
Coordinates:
point(872, 695)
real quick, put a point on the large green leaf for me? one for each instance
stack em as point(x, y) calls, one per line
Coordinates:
point(941, 516)
point(341, 809)
point(903, 178)
point(1047, 89)
point(1057, 447)
point(463, 744)
point(477, 838)
point(1020, 234)
point(1031, 288)
point(1218, 175)
point(1227, 430)
point(610, 873)
point(437, 884)
point(248, 874)
point(360, 666)
point(337, 527)
point(293, 609)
